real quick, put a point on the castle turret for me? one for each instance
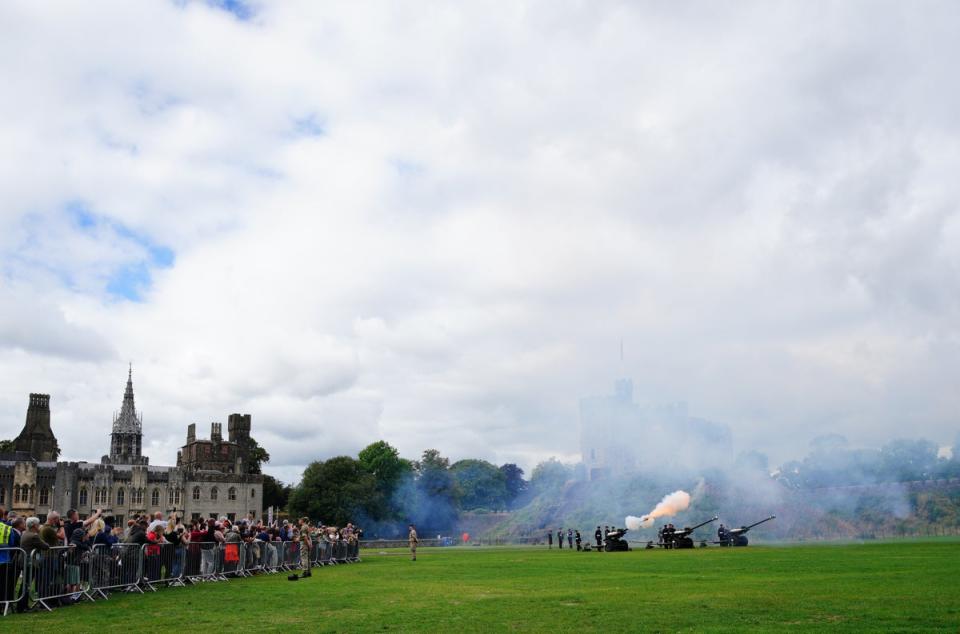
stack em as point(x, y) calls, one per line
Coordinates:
point(36, 438)
point(127, 435)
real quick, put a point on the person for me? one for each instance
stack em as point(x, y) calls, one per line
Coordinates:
point(597, 535)
point(8, 578)
point(722, 534)
point(305, 545)
point(577, 538)
point(412, 538)
point(560, 538)
point(52, 532)
point(549, 540)
point(30, 541)
point(570, 538)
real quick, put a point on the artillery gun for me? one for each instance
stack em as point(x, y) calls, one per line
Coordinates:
point(673, 538)
point(738, 536)
point(615, 541)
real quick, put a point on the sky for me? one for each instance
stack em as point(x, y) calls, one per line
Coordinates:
point(434, 223)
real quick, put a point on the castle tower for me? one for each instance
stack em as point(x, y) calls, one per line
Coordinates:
point(36, 438)
point(127, 435)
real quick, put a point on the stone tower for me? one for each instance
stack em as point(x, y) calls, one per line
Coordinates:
point(127, 435)
point(37, 438)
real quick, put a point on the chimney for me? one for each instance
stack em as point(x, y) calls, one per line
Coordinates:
point(215, 434)
point(191, 433)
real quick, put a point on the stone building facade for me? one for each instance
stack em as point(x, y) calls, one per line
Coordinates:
point(210, 478)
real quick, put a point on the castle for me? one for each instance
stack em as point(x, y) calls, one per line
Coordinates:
point(209, 480)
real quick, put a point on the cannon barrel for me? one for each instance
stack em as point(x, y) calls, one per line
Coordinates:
point(744, 529)
point(687, 531)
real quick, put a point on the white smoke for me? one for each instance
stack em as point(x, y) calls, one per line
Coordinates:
point(669, 506)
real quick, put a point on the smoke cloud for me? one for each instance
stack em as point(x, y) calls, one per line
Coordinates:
point(669, 506)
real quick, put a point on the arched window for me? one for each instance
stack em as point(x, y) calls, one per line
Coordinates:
point(253, 493)
point(139, 499)
point(120, 497)
point(16, 493)
point(155, 498)
point(44, 496)
point(83, 496)
point(169, 497)
point(196, 493)
point(214, 493)
point(176, 497)
point(232, 493)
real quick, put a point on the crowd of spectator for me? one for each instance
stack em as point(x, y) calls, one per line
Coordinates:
point(196, 538)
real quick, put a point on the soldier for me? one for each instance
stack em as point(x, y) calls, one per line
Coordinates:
point(599, 537)
point(577, 538)
point(722, 534)
point(560, 538)
point(305, 545)
point(570, 538)
point(412, 537)
point(549, 540)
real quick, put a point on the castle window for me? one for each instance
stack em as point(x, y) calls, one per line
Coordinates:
point(31, 494)
point(3, 495)
point(176, 497)
point(16, 493)
point(44, 496)
point(232, 493)
point(253, 493)
point(196, 493)
point(214, 493)
point(136, 497)
point(155, 498)
point(119, 497)
point(83, 496)
point(169, 497)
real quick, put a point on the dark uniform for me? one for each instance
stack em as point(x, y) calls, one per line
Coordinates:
point(549, 539)
point(578, 540)
point(560, 538)
point(570, 538)
point(599, 537)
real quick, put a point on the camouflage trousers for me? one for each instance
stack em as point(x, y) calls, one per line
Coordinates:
point(305, 562)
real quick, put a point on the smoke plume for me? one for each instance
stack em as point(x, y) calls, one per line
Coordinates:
point(669, 506)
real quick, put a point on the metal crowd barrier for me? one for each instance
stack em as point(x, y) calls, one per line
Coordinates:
point(203, 562)
point(115, 567)
point(57, 574)
point(163, 563)
point(230, 556)
point(12, 580)
point(272, 556)
point(291, 555)
point(47, 577)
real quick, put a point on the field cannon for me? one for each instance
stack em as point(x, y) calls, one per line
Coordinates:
point(615, 541)
point(680, 538)
point(738, 536)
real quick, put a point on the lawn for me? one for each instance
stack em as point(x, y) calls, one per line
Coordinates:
point(893, 586)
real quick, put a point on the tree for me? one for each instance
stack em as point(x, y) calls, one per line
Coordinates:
point(513, 481)
point(384, 462)
point(433, 503)
point(905, 459)
point(256, 455)
point(549, 475)
point(335, 491)
point(7, 446)
point(480, 485)
point(275, 493)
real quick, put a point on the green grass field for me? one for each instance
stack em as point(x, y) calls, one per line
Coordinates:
point(894, 586)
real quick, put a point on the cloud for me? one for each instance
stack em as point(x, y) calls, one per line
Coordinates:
point(435, 224)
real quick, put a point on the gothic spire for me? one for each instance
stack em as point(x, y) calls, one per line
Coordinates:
point(128, 421)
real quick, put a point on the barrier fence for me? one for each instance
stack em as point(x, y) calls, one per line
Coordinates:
point(66, 574)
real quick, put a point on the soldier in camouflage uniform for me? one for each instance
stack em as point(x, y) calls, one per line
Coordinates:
point(305, 544)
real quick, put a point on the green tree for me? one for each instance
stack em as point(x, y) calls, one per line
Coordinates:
point(513, 481)
point(275, 493)
point(434, 502)
point(550, 475)
point(7, 446)
point(335, 491)
point(480, 485)
point(256, 455)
